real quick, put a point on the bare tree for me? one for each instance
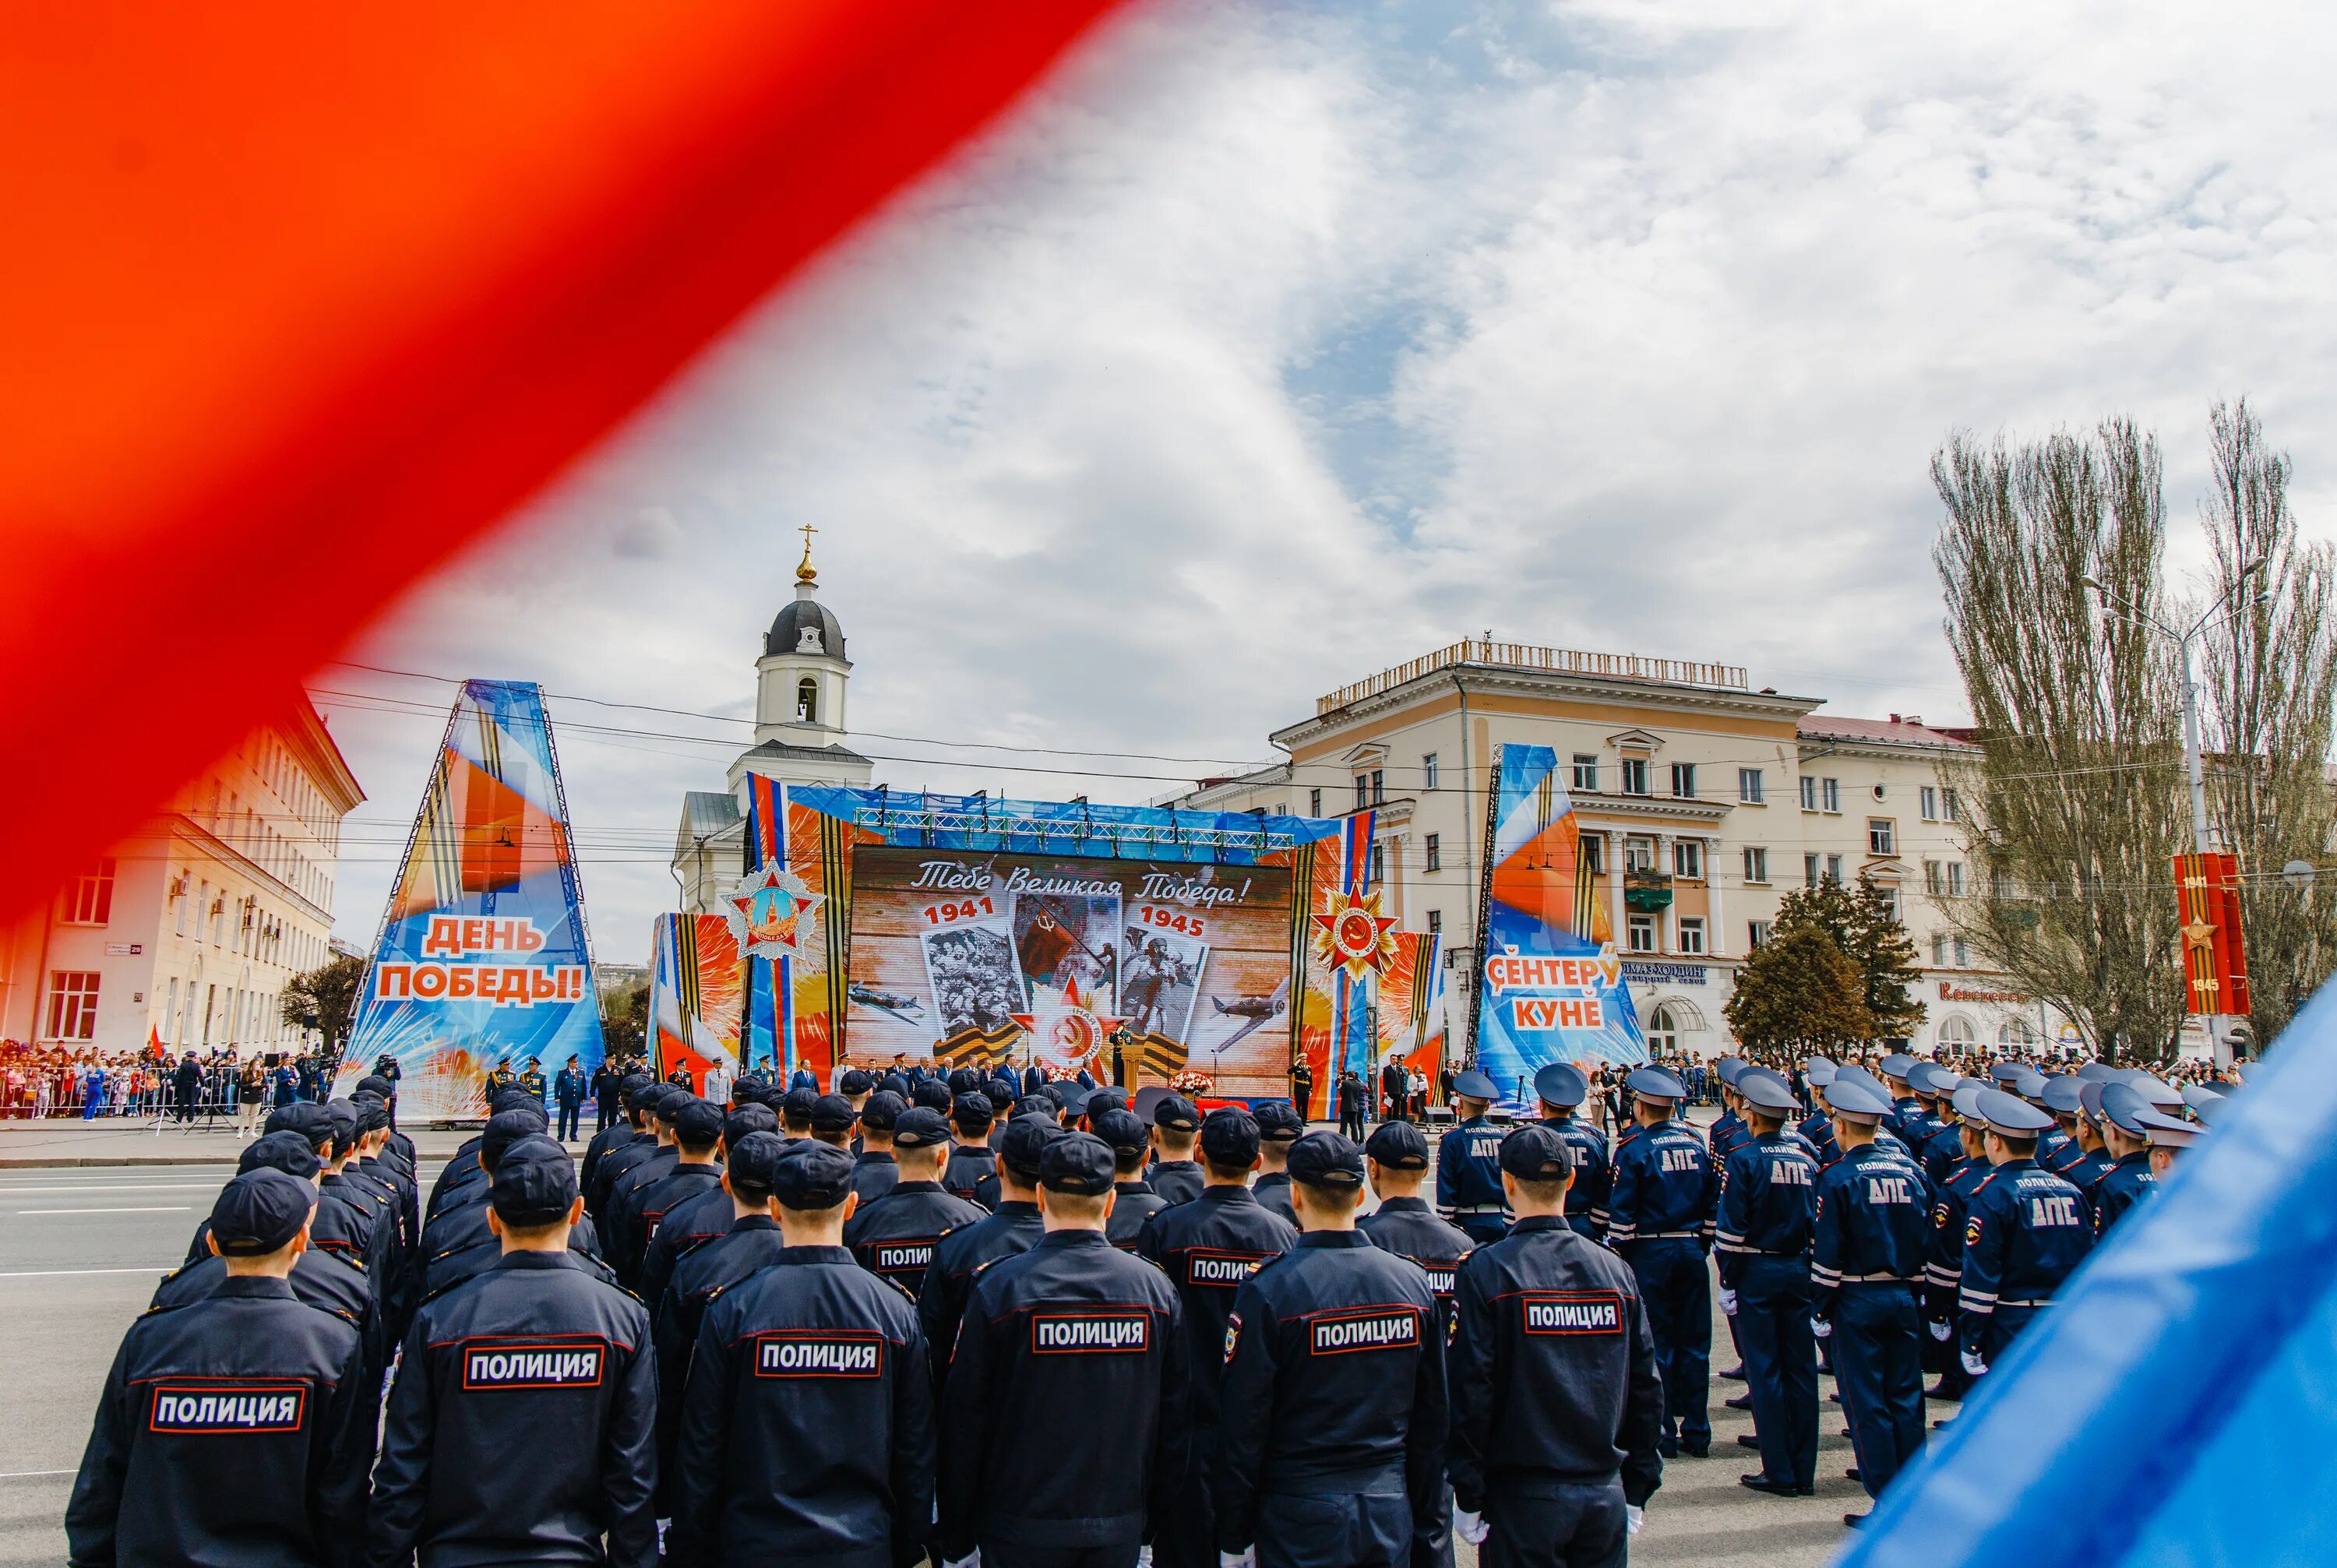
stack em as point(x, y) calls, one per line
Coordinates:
point(2270, 680)
point(2078, 770)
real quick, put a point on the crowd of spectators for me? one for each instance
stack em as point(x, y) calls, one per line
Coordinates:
point(54, 1081)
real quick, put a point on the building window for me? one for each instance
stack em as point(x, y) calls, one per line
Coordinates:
point(1938, 951)
point(1829, 790)
point(1594, 853)
point(1964, 954)
point(1809, 870)
point(1379, 786)
point(1434, 846)
point(1889, 891)
point(1757, 863)
point(1756, 933)
point(1314, 802)
point(1928, 801)
point(1427, 772)
point(807, 702)
point(1378, 872)
point(1809, 793)
point(1663, 1030)
point(1956, 1030)
point(1880, 836)
point(1684, 781)
point(88, 900)
point(1933, 883)
point(1436, 922)
point(1363, 790)
point(1642, 931)
point(1748, 787)
point(1638, 854)
point(1635, 776)
point(1833, 868)
point(72, 1004)
point(1687, 859)
point(1948, 805)
point(1955, 879)
point(1586, 771)
point(1691, 933)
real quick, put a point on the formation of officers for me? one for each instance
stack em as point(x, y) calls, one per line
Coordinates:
point(943, 1321)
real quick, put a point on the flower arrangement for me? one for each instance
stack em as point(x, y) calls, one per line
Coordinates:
point(1189, 1082)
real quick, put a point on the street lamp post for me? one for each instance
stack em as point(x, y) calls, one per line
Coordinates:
point(2183, 640)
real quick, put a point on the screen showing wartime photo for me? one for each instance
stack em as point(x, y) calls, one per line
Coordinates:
point(981, 958)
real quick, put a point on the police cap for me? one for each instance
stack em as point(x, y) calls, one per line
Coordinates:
point(1931, 1081)
point(286, 1150)
point(1536, 1153)
point(1176, 1113)
point(1858, 1075)
point(2161, 1094)
point(1728, 1068)
point(1327, 1161)
point(2098, 1073)
point(1475, 1085)
point(1278, 1122)
point(373, 1111)
point(306, 1118)
point(1658, 1083)
point(855, 1082)
point(645, 1095)
point(1101, 1101)
point(344, 1117)
point(754, 1160)
point(2170, 1132)
point(1397, 1145)
point(1039, 1105)
point(796, 1107)
point(746, 1122)
point(2030, 1085)
point(970, 1111)
point(833, 1113)
point(505, 1128)
point(920, 1128)
point(2204, 1102)
point(534, 1183)
point(697, 1124)
point(260, 1211)
point(1562, 1084)
point(1820, 1070)
point(1856, 1103)
point(811, 1177)
point(374, 1083)
point(881, 1110)
point(931, 1095)
point(1230, 1137)
point(1895, 1065)
point(1966, 1102)
point(2089, 1100)
point(1078, 1164)
point(2064, 1094)
point(1121, 1129)
point(2124, 1109)
point(963, 1081)
point(1146, 1101)
point(2006, 1073)
point(511, 1100)
point(1766, 1092)
point(894, 1083)
point(1023, 1143)
point(2009, 1116)
point(1001, 1094)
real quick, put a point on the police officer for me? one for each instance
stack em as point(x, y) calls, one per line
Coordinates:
point(461, 1244)
point(621, 1126)
point(329, 1281)
point(696, 1137)
point(1133, 1202)
point(1727, 1134)
point(1870, 1240)
point(1072, 1327)
point(832, 1121)
point(1942, 1147)
point(1469, 1164)
point(806, 1429)
point(2024, 1233)
point(1768, 1195)
point(533, 1357)
point(1010, 1226)
point(1556, 1403)
point(702, 1217)
point(971, 1161)
point(1332, 1412)
point(2093, 1158)
point(894, 1236)
point(1278, 1127)
point(874, 1170)
point(1395, 1163)
point(1561, 1088)
point(1660, 1219)
point(650, 1141)
point(237, 1428)
point(1904, 1121)
point(1944, 1264)
point(1816, 1129)
point(2127, 1137)
point(619, 1222)
point(795, 1111)
point(1175, 1174)
point(568, 1093)
point(1208, 1248)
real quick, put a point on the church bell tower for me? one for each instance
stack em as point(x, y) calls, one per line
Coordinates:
point(801, 679)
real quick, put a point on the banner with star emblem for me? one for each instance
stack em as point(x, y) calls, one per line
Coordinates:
point(1554, 987)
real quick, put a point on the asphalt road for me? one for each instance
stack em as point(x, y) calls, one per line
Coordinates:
point(81, 1250)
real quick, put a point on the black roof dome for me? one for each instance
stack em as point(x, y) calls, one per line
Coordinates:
point(804, 626)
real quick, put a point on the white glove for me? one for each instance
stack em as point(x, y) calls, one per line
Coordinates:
point(1244, 1558)
point(1942, 1330)
point(1728, 1302)
point(1144, 1556)
point(1635, 1519)
point(1973, 1364)
point(1471, 1527)
point(971, 1560)
point(1821, 1329)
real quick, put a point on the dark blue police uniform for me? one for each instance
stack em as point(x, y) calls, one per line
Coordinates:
point(1768, 1196)
point(2025, 1232)
point(1661, 1222)
point(1870, 1240)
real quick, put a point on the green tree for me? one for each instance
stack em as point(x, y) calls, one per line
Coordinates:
point(1860, 922)
point(624, 1020)
point(325, 998)
point(1799, 991)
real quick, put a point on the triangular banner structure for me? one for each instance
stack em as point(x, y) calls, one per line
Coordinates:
point(767, 1038)
point(2178, 1404)
point(1553, 985)
point(695, 995)
point(483, 959)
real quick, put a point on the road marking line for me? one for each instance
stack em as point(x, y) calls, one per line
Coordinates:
point(100, 1188)
point(170, 1208)
point(59, 1273)
point(28, 1474)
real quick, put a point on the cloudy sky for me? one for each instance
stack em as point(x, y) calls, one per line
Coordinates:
point(1276, 343)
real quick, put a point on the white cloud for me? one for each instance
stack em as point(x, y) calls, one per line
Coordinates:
point(1276, 345)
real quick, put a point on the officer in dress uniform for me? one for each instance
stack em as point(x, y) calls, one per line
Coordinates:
point(1134, 1202)
point(1727, 1134)
point(1768, 1202)
point(533, 1357)
point(971, 1161)
point(1469, 1164)
point(1332, 1412)
point(1278, 1127)
point(1944, 1261)
point(1872, 1236)
point(532, 1079)
point(1660, 1219)
point(1903, 1122)
point(2093, 1158)
point(2128, 1135)
point(237, 1427)
point(1208, 1248)
point(894, 1236)
point(806, 1429)
point(1561, 1088)
point(696, 1221)
point(1011, 1226)
point(500, 1077)
point(1556, 1403)
point(2024, 1233)
point(1074, 1324)
point(1175, 1174)
point(1816, 1129)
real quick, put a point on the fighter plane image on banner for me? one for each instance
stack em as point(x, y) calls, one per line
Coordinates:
point(483, 959)
point(1553, 986)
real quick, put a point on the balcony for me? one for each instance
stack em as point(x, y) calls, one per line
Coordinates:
point(1646, 892)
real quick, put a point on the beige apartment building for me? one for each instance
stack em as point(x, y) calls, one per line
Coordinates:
point(1701, 801)
point(188, 929)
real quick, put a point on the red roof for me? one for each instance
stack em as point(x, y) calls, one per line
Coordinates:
point(1894, 731)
